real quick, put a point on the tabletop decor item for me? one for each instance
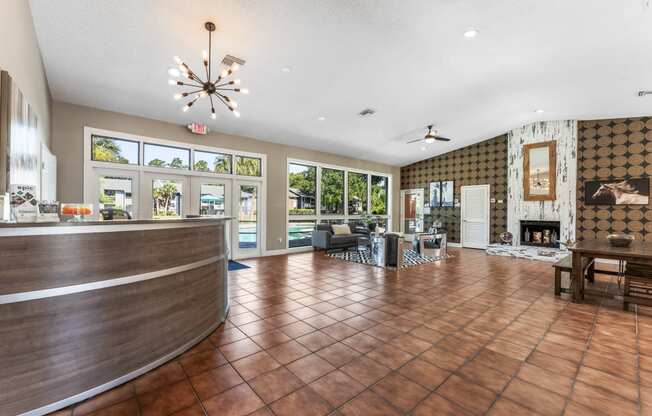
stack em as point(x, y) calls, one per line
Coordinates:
point(620, 239)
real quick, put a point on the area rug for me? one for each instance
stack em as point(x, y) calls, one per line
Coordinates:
point(234, 265)
point(410, 257)
point(526, 252)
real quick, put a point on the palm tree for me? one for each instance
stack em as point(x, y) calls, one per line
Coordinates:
point(163, 195)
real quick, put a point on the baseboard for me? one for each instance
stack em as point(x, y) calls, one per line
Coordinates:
point(456, 245)
point(283, 251)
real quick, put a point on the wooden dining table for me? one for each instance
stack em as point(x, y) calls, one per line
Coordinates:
point(637, 252)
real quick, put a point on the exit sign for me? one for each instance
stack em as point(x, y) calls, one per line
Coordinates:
point(197, 128)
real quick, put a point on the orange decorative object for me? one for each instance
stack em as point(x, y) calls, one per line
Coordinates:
point(76, 209)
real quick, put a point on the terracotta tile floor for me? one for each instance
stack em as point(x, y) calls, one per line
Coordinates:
point(475, 334)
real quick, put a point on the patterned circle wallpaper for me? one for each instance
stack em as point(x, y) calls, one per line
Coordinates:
point(478, 164)
point(610, 150)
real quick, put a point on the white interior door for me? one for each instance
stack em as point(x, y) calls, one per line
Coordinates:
point(212, 197)
point(475, 216)
point(411, 211)
point(113, 188)
point(165, 196)
point(246, 223)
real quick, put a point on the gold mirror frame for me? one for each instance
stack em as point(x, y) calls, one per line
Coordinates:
point(552, 171)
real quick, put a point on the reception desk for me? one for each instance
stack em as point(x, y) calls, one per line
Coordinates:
point(85, 307)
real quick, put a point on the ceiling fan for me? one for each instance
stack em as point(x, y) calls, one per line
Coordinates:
point(430, 137)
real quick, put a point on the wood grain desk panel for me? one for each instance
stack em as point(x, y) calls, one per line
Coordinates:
point(57, 349)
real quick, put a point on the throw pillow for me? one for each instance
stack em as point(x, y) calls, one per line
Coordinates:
point(341, 229)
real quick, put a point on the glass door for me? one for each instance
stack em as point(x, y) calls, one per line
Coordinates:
point(212, 198)
point(246, 222)
point(113, 192)
point(411, 211)
point(165, 196)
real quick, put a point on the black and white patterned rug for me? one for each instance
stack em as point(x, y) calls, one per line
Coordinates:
point(410, 257)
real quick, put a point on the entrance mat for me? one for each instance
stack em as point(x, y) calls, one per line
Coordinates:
point(234, 265)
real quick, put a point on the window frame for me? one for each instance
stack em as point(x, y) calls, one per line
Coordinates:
point(346, 217)
point(194, 161)
point(288, 186)
point(137, 143)
point(190, 156)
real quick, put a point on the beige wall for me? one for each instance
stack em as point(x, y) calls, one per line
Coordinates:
point(21, 57)
point(68, 122)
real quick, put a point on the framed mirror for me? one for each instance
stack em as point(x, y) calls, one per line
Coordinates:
point(539, 171)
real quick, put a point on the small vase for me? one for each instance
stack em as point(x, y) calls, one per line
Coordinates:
point(527, 236)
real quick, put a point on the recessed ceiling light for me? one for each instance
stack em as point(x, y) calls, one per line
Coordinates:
point(174, 72)
point(321, 118)
point(286, 69)
point(539, 111)
point(471, 33)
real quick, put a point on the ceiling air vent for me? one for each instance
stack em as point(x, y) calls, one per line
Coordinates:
point(367, 112)
point(644, 93)
point(230, 60)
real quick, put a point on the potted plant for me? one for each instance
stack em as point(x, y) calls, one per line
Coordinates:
point(370, 221)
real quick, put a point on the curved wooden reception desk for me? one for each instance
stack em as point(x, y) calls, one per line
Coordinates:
point(87, 306)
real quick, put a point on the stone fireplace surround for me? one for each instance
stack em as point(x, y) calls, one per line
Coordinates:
point(562, 209)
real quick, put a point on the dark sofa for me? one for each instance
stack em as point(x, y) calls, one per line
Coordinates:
point(324, 239)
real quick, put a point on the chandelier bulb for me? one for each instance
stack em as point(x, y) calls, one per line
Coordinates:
point(244, 91)
point(236, 81)
point(177, 60)
point(213, 115)
point(234, 67)
point(185, 108)
point(236, 113)
point(233, 104)
point(224, 73)
point(172, 82)
point(177, 96)
point(204, 55)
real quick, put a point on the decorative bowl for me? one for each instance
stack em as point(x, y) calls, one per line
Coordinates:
point(620, 239)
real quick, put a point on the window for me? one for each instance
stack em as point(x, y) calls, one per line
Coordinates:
point(116, 193)
point(247, 166)
point(300, 233)
point(106, 149)
point(378, 195)
point(166, 156)
point(357, 193)
point(212, 162)
point(166, 198)
point(332, 191)
point(247, 217)
point(302, 189)
point(211, 199)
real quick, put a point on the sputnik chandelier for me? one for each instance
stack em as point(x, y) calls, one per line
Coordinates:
point(215, 89)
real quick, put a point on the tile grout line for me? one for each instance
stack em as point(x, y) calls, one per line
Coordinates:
point(586, 348)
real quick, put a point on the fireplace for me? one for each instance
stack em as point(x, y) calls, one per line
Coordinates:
point(540, 233)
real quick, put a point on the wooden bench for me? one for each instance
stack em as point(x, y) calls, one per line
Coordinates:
point(566, 265)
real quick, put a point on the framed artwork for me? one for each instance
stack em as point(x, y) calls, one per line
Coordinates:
point(617, 192)
point(435, 194)
point(539, 171)
point(447, 194)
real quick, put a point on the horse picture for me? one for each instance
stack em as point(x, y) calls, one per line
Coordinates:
point(618, 192)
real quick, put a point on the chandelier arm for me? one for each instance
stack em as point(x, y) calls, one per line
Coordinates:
point(222, 99)
point(189, 85)
point(225, 89)
point(210, 97)
point(192, 92)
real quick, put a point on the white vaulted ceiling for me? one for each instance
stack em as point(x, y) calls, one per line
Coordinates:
point(407, 59)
